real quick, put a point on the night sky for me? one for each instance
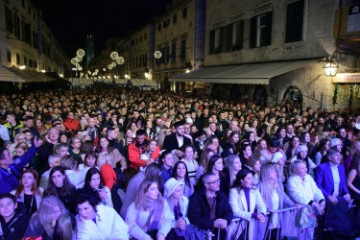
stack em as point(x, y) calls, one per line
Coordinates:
point(71, 20)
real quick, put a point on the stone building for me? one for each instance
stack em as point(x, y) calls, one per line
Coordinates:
point(28, 48)
point(276, 50)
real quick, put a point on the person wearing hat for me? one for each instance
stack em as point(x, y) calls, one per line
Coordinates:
point(178, 203)
point(175, 141)
point(302, 153)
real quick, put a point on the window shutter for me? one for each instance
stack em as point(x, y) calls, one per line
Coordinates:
point(212, 42)
point(253, 32)
point(267, 40)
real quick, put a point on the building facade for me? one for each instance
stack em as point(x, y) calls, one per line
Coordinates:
point(27, 43)
point(274, 50)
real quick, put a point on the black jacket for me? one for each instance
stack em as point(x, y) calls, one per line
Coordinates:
point(199, 210)
point(15, 228)
point(171, 143)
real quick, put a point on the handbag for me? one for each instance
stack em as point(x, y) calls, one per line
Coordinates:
point(305, 218)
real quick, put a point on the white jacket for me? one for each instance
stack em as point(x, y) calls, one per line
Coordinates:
point(240, 208)
point(109, 226)
point(136, 220)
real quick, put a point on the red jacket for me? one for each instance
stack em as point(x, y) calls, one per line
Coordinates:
point(73, 125)
point(134, 156)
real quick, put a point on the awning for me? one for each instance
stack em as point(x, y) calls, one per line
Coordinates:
point(255, 73)
point(14, 74)
point(8, 76)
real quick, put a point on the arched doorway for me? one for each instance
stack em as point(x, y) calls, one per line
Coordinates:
point(294, 95)
point(260, 94)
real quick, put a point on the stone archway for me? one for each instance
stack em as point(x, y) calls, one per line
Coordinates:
point(294, 94)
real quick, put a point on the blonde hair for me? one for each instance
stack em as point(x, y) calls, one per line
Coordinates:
point(140, 199)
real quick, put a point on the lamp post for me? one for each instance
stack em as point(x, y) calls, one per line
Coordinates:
point(331, 68)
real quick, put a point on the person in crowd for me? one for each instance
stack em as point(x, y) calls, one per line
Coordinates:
point(20, 150)
point(152, 150)
point(305, 139)
point(254, 165)
point(246, 153)
point(13, 220)
point(353, 179)
point(65, 227)
point(199, 142)
point(216, 166)
point(10, 171)
point(274, 197)
point(231, 147)
point(60, 187)
point(322, 149)
point(63, 138)
point(98, 221)
point(302, 189)
point(13, 125)
point(354, 149)
point(42, 223)
point(191, 164)
point(166, 162)
point(136, 148)
point(19, 138)
point(71, 123)
point(246, 203)
point(52, 138)
point(209, 208)
point(302, 153)
point(74, 175)
point(291, 147)
point(180, 173)
point(204, 162)
point(54, 160)
point(62, 149)
point(233, 166)
point(93, 183)
point(331, 179)
point(149, 216)
point(176, 140)
point(279, 159)
point(178, 203)
point(113, 153)
point(75, 149)
point(89, 162)
point(152, 172)
point(28, 191)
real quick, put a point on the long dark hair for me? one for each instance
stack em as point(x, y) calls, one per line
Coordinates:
point(89, 174)
point(212, 162)
point(187, 180)
point(240, 176)
point(67, 187)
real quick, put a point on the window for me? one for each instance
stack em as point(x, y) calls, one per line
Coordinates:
point(234, 36)
point(35, 64)
point(173, 52)
point(31, 63)
point(8, 20)
point(183, 49)
point(175, 18)
point(294, 21)
point(23, 3)
point(159, 27)
point(8, 56)
point(216, 40)
point(25, 61)
point(166, 23)
point(16, 25)
point(260, 30)
point(18, 59)
point(184, 13)
point(34, 40)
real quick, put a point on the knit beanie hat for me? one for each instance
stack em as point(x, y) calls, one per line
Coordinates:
point(170, 186)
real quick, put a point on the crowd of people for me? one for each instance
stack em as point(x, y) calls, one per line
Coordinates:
point(110, 163)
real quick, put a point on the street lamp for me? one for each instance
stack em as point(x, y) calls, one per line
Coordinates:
point(331, 68)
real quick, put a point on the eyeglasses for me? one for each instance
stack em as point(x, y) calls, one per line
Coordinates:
point(216, 181)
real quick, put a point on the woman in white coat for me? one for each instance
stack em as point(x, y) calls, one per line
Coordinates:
point(98, 221)
point(302, 189)
point(149, 217)
point(246, 203)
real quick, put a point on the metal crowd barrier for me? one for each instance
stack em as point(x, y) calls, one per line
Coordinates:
point(286, 218)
